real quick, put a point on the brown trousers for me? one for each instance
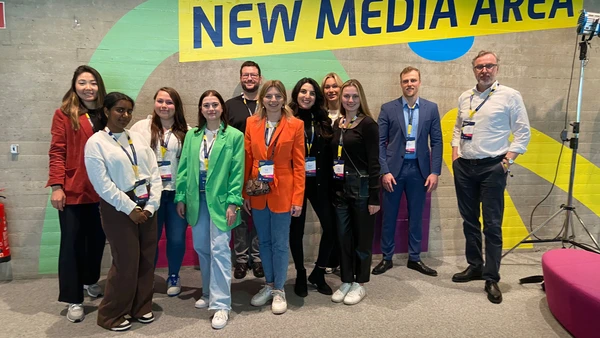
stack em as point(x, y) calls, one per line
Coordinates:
point(129, 282)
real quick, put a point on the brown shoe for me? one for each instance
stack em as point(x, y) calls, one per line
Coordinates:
point(240, 270)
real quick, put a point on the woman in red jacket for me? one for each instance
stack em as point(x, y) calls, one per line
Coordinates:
point(81, 236)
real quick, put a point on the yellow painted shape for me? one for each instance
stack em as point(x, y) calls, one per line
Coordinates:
point(513, 228)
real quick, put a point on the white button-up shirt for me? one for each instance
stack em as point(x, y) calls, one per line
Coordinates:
point(502, 114)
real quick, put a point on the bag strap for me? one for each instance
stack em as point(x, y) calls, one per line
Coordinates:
point(348, 155)
point(274, 145)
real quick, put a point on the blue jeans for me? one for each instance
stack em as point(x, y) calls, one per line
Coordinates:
point(175, 228)
point(412, 184)
point(214, 254)
point(273, 240)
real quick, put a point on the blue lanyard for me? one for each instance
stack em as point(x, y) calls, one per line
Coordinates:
point(133, 160)
point(341, 142)
point(207, 149)
point(312, 136)
point(471, 111)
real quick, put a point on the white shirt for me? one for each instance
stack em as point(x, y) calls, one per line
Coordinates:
point(173, 148)
point(111, 173)
point(502, 114)
point(334, 114)
point(210, 142)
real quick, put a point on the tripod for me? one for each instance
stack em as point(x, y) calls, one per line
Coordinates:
point(565, 238)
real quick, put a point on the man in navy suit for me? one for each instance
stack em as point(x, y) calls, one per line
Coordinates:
point(408, 126)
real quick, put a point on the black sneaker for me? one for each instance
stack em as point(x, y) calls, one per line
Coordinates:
point(147, 318)
point(257, 270)
point(124, 326)
point(240, 270)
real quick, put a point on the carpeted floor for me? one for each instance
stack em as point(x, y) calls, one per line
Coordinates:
point(399, 303)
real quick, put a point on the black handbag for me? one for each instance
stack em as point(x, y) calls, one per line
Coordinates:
point(356, 184)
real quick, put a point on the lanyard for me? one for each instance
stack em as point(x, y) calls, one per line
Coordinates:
point(207, 149)
point(341, 142)
point(411, 111)
point(246, 104)
point(164, 144)
point(90, 119)
point(267, 140)
point(134, 162)
point(471, 111)
point(312, 135)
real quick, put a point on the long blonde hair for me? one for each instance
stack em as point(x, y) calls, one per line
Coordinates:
point(71, 103)
point(338, 81)
point(363, 108)
point(286, 111)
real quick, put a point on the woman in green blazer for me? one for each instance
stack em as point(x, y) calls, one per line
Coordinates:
point(209, 195)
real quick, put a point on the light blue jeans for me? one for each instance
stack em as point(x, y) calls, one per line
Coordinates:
point(212, 246)
point(273, 231)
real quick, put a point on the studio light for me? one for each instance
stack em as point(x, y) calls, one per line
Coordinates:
point(588, 23)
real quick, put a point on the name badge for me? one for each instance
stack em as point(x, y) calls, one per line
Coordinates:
point(338, 169)
point(311, 167)
point(202, 180)
point(410, 145)
point(466, 132)
point(141, 192)
point(164, 167)
point(266, 171)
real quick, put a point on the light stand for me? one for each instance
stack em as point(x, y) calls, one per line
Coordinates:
point(565, 238)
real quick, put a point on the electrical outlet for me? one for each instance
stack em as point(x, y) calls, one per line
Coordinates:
point(14, 149)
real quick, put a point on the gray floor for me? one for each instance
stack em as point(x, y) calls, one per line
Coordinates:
point(400, 303)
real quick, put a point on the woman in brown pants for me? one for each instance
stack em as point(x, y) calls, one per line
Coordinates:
point(123, 170)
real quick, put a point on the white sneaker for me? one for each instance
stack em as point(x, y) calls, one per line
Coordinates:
point(75, 313)
point(201, 303)
point(355, 295)
point(263, 296)
point(94, 290)
point(279, 305)
point(341, 293)
point(220, 319)
point(173, 285)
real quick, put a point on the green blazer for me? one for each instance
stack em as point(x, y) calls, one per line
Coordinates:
point(225, 177)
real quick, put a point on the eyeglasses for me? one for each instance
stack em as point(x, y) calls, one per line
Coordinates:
point(488, 66)
point(252, 75)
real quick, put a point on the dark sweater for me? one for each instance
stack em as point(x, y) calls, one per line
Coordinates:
point(320, 150)
point(239, 112)
point(361, 143)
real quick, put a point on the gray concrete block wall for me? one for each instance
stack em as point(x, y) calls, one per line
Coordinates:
point(43, 44)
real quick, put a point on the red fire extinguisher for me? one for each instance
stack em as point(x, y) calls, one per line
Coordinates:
point(4, 247)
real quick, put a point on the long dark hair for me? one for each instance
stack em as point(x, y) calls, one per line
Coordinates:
point(71, 103)
point(111, 99)
point(317, 109)
point(224, 114)
point(179, 127)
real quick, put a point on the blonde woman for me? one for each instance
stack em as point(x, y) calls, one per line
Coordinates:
point(274, 155)
point(331, 90)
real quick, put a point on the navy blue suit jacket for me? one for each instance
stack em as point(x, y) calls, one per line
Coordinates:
point(392, 138)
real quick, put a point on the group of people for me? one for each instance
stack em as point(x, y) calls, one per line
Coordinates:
point(249, 167)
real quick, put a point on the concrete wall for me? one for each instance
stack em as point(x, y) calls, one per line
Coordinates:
point(46, 40)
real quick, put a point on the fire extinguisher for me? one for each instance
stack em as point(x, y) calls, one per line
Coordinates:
point(4, 247)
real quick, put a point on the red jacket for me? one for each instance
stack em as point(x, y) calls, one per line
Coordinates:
point(66, 159)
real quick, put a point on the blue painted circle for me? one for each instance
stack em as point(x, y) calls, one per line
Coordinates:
point(442, 50)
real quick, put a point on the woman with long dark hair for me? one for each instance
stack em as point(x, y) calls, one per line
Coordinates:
point(122, 168)
point(308, 105)
point(209, 194)
point(81, 237)
point(165, 130)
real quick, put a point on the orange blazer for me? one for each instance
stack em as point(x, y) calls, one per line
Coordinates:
point(287, 188)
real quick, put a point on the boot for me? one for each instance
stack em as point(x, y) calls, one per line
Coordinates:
point(300, 288)
point(317, 277)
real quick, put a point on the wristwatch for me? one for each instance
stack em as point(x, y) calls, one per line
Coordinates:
point(510, 161)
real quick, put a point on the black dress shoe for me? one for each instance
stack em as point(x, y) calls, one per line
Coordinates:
point(240, 270)
point(382, 267)
point(317, 278)
point(422, 268)
point(468, 275)
point(301, 287)
point(257, 270)
point(493, 292)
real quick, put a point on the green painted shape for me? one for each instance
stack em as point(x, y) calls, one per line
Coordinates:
point(138, 43)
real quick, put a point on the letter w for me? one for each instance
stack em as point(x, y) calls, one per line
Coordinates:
point(289, 28)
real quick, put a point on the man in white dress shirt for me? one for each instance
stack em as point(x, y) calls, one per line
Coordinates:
point(481, 159)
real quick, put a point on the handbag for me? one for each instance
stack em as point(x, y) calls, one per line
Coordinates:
point(356, 185)
point(256, 187)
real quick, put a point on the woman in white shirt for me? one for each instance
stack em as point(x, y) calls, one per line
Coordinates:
point(122, 168)
point(165, 131)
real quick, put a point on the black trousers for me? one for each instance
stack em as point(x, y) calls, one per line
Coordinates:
point(479, 185)
point(81, 247)
point(355, 234)
point(319, 199)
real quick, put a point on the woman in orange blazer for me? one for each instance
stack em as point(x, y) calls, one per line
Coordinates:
point(81, 236)
point(274, 145)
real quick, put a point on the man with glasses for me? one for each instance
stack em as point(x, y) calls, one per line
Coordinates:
point(239, 109)
point(481, 159)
